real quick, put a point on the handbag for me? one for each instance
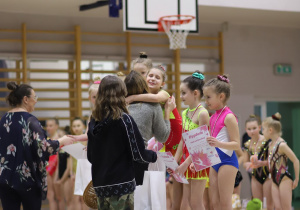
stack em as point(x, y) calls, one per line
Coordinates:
point(90, 197)
point(152, 194)
point(83, 176)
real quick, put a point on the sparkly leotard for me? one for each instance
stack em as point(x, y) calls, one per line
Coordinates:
point(187, 126)
point(219, 131)
point(278, 165)
point(260, 174)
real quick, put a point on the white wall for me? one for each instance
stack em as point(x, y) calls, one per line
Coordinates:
point(278, 5)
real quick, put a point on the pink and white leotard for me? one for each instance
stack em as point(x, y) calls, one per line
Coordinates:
point(219, 131)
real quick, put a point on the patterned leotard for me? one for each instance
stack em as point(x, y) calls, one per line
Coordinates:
point(189, 125)
point(260, 174)
point(219, 131)
point(278, 165)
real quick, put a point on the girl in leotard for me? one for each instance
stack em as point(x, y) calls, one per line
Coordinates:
point(279, 153)
point(52, 131)
point(258, 147)
point(79, 136)
point(194, 116)
point(225, 137)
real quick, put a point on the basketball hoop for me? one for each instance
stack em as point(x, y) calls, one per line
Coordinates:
point(177, 28)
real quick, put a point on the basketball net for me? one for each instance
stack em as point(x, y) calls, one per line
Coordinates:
point(177, 28)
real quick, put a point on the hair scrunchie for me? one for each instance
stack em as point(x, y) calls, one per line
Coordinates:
point(97, 82)
point(275, 118)
point(222, 78)
point(198, 75)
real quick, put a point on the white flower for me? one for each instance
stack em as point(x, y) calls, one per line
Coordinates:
point(11, 149)
point(6, 125)
point(26, 170)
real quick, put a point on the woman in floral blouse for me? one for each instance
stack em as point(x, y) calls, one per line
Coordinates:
point(24, 152)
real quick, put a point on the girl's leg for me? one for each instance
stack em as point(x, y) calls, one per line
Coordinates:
point(67, 192)
point(50, 193)
point(226, 179)
point(83, 205)
point(185, 204)
point(237, 190)
point(206, 199)
point(285, 193)
point(257, 189)
point(267, 191)
point(276, 196)
point(213, 189)
point(169, 191)
point(177, 195)
point(197, 193)
point(75, 199)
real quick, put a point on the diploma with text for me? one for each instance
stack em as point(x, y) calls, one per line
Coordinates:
point(203, 155)
point(170, 162)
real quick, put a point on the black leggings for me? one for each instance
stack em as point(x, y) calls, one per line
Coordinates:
point(12, 199)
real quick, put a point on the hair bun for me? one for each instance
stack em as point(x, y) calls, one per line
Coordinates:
point(252, 116)
point(12, 86)
point(143, 55)
point(276, 116)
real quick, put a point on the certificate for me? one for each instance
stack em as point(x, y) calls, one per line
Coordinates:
point(76, 150)
point(170, 162)
point(203, 155)
point(154, 145)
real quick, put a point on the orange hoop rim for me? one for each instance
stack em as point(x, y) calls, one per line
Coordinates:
point(188, 19)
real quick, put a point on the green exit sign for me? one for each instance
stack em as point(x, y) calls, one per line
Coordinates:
point(282, 69)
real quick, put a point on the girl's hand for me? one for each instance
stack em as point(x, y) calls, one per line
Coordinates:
point(212, 141)
point(170, 104)
point(129, 99)
point(181, 169)
point(65, 140)
point(170, 171)
point(192, 168)
point(295, 183)
point(254, 159)
point(247, 166)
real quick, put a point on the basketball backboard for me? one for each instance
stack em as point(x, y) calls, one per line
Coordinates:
point(143, 15)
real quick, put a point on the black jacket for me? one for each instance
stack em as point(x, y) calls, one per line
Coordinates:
point(113, 145)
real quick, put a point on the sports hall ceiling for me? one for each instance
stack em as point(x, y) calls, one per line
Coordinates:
point(70, 8)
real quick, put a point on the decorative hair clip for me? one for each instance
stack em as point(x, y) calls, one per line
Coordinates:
point(160, 66)
point(198, 75)
point(97, 82)
point(222, 78)
point(275, 118)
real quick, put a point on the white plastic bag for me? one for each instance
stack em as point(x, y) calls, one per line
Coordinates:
point(159, 165)
point(83, 176)
point(152, 194)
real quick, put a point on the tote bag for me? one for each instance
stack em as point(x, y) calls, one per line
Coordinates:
point(83, 176)
point(152, 194)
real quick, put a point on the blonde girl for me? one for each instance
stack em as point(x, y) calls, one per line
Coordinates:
point(93, 89)
point(279, 153)
point(225, 137)
point(258, 147)
point(142, 64)
point(195, 115)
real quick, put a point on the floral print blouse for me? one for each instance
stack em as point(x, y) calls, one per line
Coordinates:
point(24, 152)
